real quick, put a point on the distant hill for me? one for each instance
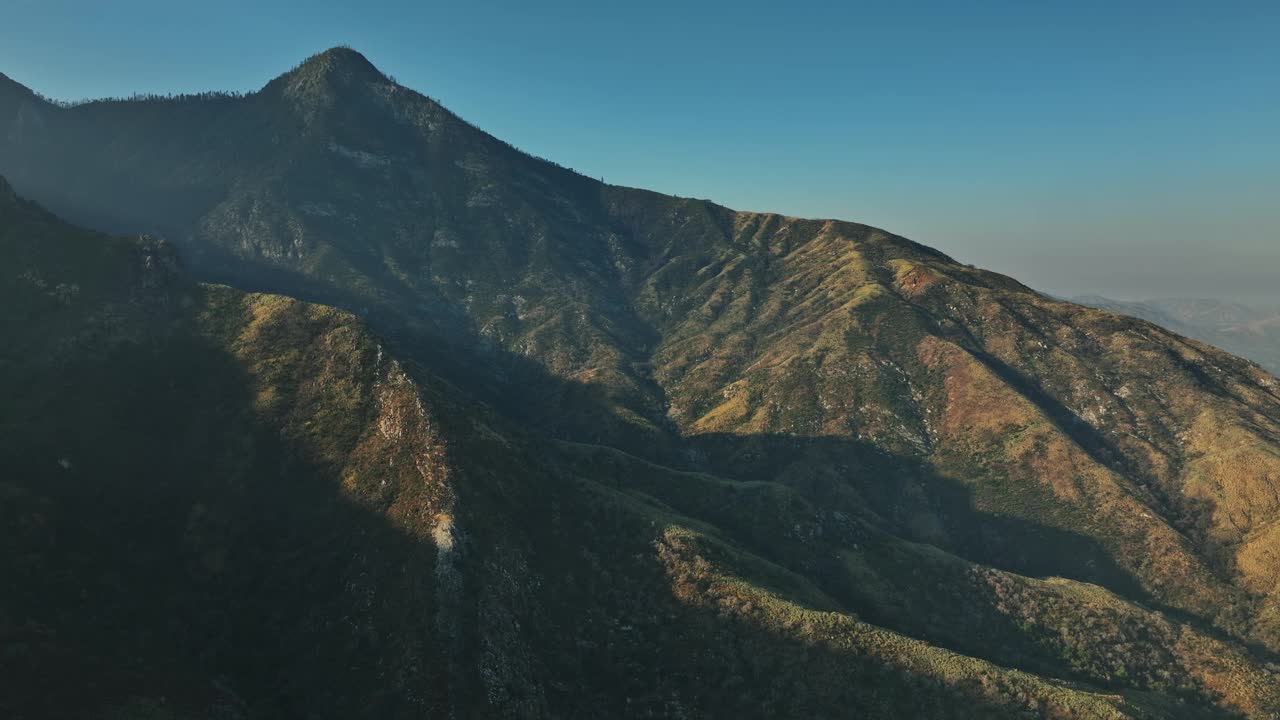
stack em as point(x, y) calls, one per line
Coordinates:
point(1248, 331)
point(545, 447)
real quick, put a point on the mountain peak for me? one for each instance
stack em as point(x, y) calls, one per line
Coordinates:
point(327, 75)
point(7, 196)
point(340, 61)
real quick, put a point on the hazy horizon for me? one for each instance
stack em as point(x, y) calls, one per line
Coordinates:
point(1128, 152)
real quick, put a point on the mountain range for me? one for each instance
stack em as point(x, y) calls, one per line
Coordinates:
point(342, 407)
point(1250, 331)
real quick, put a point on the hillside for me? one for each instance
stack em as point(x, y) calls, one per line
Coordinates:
point(271, 517)
point(189, 471)
point(707, 462)
point(1249, 331)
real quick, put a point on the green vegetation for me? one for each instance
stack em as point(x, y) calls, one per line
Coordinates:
point(1251, 332)
point(609, 454)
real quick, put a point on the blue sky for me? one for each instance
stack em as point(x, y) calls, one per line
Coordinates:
point(1126, 148)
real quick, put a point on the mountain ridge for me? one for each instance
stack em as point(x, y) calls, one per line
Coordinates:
point(318, 381)
point(1241, 329)
point(765, 402)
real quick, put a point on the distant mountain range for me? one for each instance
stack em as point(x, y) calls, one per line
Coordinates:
point(357, 411)
point(1249, 331)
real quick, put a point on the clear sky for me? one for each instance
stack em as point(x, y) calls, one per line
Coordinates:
point(1127, 148)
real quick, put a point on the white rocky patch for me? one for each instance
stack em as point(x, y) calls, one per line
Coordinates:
point(473, 165)
point(484, 197)
point(361, 158)
point(444, 239)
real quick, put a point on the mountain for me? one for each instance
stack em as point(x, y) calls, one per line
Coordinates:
point(1244, 330)
point(616, 453)
point(191, 470)
point(232, 505)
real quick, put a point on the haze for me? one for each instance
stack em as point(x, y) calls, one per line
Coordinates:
point(1086, 148)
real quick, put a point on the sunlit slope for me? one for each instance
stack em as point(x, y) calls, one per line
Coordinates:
point(195, 469)
point(1001, 455)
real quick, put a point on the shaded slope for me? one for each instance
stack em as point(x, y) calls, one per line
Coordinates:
point(198, 486)
point(335, 184)
point(232, 505)
point(942, 407)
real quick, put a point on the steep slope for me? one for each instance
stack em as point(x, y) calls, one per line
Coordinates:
point(200, 483)
point(868, 425)
point(333, 183)
point(1157, 452)
point(1244, 330)
point(231, 505)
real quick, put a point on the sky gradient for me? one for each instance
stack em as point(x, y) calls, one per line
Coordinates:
point(1127, 149)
